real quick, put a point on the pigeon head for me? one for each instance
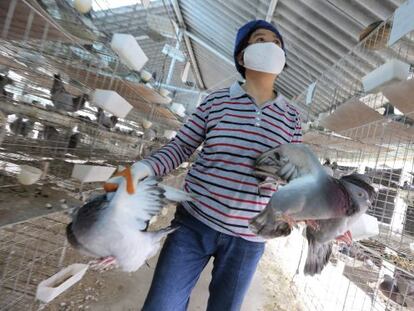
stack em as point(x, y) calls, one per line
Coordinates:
point(360, 190)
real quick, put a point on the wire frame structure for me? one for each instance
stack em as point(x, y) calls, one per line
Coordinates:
point(29, 253)
point(371, 132)
point(38, 40)
point(366, 276)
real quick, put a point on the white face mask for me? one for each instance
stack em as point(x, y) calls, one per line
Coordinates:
point(265, 57)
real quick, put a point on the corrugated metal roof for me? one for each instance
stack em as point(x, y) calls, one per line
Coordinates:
point(317, 34)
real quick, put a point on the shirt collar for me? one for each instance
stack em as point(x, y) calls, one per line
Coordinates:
point(236, 91)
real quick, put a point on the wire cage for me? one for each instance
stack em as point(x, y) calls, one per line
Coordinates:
point(371, 131)
point(38, 41)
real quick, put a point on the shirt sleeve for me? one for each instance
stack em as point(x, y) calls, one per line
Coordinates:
point(190, 136)
point(297, 136)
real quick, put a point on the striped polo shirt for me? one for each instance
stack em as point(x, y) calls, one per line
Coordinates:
point(234, 131)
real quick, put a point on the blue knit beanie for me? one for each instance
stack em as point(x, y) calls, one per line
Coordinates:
point(243, 35)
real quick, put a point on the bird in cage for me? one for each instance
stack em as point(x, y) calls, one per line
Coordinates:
point(105, 121)
point(113, 226)
point(63, 100)
point(50, 133)
point(22, 126)
point(326, 204)
point(150, 134)
point(394, 114)
point(5, 80)
point(74, 140)
point(389, 289)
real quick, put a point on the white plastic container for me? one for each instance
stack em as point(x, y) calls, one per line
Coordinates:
point(145, 75)
point(169, 134)
point(112, 102)
point(178, 109)
point(129, 51)
point(28, 175)
point(83, 6)
point(365, 227)
point(146, 124)
point(390, 72)
point(50, 288)
point(92, 173)
point(164, 92)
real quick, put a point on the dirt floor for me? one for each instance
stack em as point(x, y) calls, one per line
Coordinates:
point(115, 290)
point(32, 251)
point(118, 291)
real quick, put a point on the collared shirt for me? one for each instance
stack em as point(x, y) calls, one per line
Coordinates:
point(234, 131)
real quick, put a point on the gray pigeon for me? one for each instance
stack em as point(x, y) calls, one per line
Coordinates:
point(22, 127)
point(4, 80)
point(389, 289)
point(50, 133)
point(107, 122)
point(327, 205)
point(150, 134)
point(64, 101)
point(113, 224)
point(73, 142)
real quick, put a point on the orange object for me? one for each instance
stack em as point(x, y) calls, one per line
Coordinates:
point(112, 187)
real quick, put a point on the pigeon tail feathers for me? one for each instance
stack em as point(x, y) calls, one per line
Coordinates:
point(318, 255)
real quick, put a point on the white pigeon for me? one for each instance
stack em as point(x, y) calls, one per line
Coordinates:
point(114, 224)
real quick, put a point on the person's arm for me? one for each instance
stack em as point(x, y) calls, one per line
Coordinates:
point(182, 146)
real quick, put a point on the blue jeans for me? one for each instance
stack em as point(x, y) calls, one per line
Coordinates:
point(185, 254)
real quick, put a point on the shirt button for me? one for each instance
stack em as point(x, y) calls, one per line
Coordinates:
point(257, 124)
point(258, 119)
point(258, 112)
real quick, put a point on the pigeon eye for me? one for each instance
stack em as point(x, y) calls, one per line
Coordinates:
point(360, 194)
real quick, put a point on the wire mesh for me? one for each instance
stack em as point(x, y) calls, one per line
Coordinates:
point(29, 253)
point(47, 122)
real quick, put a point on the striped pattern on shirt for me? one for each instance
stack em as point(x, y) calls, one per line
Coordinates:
point(235, 131)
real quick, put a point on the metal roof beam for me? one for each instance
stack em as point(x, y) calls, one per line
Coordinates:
point(188, 45)
point(209, 47)
point(271, 10)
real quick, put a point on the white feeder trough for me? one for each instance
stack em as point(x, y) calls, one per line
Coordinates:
point(29, 175)
point(164, 92)
point(92, 173)
point(391, 72)
point(178, 109)
point(146, 124)
point(112, 102)
point(365, 227)
point(129, 51)
point(169, 134)
point(50, 288)
point(145, 75)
